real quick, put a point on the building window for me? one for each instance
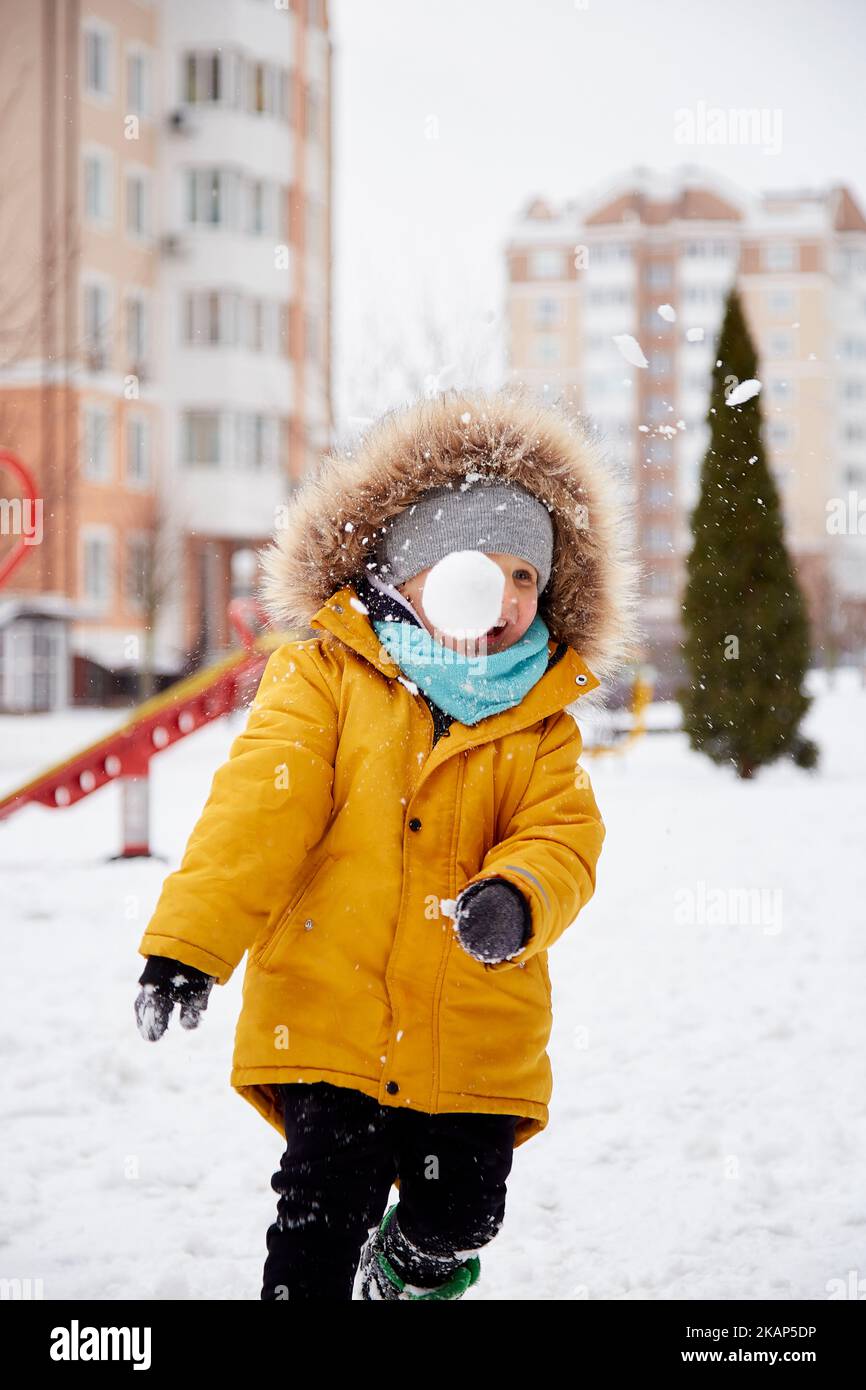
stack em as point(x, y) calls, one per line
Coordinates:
point(137, 576)
point(780, 345)
point(262, 325)
point(607, 252)
point(261, 199)
point(853, 389)
point(548, 313)
point(203, 77)
point(137, 451)
point(658, 275)
point(136, 335)
point(659, 540)
point(657, 408)
point(256, 440)
point(781, 301)
point(779, 255)
point(97, 566)
point(658, 495)
point(547, 349)
point(138, 99)
point(658, 326)
point(98, 187)
point(211, 197)
point(211, 318)
point(97, 320)
point(264, 95)
point(97, 60)
point(201, 437)
point(706, 249)
point(780, 434)
point(780, 391)
point(854, 432)
point(286, 94)
point(659, 453)
point(138, 220)
point(599, 295)
point(703, 294)
point(96, 444)
point(546, 264)
point(854, 348)
point(660, 363)
point(660, 582)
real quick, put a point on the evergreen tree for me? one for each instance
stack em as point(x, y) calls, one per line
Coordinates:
point(747, 634)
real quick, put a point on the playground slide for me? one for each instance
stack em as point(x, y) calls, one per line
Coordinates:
point(154, 725)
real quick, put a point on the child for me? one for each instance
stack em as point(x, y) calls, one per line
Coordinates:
point(400, 834)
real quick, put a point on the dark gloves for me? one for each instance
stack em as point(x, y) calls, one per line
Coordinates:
point(493, 920)
point(166, 982)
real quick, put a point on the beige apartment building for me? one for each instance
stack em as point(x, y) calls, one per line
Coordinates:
point(165, 296)
point(654, 257)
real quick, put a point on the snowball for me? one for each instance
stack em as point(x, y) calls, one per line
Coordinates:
point(630, 349)
point(744, 392)
point(463, 593)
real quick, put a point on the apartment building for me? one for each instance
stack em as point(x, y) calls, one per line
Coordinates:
point(653, 257)
point(166, 286)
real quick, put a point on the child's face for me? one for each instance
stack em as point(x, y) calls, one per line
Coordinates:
point(519, 603)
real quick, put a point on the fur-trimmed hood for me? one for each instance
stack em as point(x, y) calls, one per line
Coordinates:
point(334, 520)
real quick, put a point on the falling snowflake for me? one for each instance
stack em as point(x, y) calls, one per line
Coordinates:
point(744, 392)
point(630, 349)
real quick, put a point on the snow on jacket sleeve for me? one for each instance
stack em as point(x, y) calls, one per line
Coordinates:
point(552, 842)
point(269, 804)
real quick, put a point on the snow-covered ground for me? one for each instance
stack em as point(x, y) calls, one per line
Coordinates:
point(708, 1124)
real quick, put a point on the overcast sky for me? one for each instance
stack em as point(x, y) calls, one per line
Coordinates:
point(449, 114)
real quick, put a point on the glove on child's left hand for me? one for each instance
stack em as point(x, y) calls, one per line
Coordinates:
point(493, 920)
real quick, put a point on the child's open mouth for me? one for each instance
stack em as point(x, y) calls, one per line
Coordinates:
point(493, 632)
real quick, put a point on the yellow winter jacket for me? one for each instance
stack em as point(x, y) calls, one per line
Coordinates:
point(329, 848)
point(336, 836)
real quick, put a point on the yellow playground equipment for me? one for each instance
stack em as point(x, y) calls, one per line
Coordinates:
point(613, 738)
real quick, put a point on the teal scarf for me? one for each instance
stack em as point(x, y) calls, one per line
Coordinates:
point(468, 688)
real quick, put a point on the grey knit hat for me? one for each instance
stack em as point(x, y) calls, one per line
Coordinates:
point(488, 516)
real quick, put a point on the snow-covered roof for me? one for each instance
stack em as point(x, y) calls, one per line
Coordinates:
point(37, 605)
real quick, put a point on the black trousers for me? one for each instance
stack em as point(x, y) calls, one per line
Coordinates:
point(343, 1151)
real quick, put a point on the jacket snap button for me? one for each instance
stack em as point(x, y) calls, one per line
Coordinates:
point(308, 924)
point(392, 1088)
point(414, 823)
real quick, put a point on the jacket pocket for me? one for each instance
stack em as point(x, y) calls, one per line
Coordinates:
point(263, 953)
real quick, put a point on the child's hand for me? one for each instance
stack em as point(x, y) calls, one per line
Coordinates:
point(492, 920)
point(166, 982)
